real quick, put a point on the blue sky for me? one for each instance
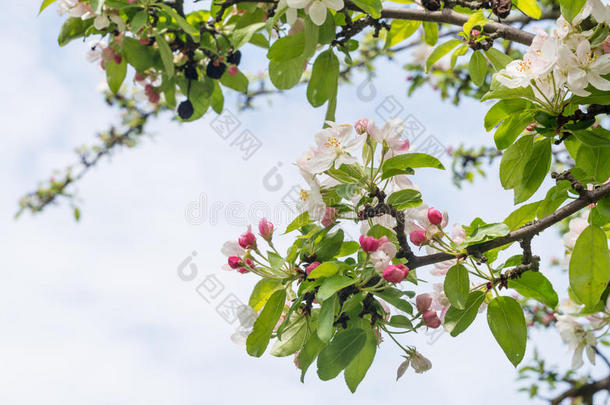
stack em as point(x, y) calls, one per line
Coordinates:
point(94, 312)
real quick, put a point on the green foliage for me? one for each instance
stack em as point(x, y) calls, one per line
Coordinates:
point(507, 323)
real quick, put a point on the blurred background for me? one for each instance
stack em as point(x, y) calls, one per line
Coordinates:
point(94, 312)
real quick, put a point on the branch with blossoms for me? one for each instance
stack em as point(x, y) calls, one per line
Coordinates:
point(328, 291)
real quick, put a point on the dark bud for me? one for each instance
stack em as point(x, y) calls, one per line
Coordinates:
point(234, 58)
point(185, 109)
point(215, 69)
point(501, 8)
point(190, 72)
point(431, 5)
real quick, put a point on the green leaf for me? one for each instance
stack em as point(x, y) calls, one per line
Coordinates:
point(258, 340)
point(529, 8)
point(327, 318)
point(553, 199)
point(403, 199)
point(595, 161)
point(476, 19)
point(243, 35)
point(498, 59)
point(522, 215)
point(371, 7)
point(401, 30)
point(73, 28)
point(400, 321)
point(186, 27)
point(590, 265)
point(332, 285)
point(324, 78)
point(502, 110)
point(348, 248)
point(511, 128)
point(411, 160)
point(45, 4)
point(534, 171)
point(440, 51)
point(514, 160)
point(262, 291)
point(167, 57)
point(532, 284)
point(298, 222)
point(393, 297)
point(139, 20)
point(430, 33)
point(340, 352)
point(309, 353)
point(477, 68)
point(237, 82)
point(326, 269)
point(293, 338)
point(507, 323)
point(457, 285)
point(138, 55)
point(329, 247)
point(357, 368)
point(287, 48)
point(286, 75)
point(497, 90)
point(486, 232)
point(596, 137)
point(457, 320)
point(570, 8)
point(115, 74)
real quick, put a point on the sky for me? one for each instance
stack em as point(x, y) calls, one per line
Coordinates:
point(95, 311)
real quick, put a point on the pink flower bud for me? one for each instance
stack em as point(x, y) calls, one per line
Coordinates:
point(139, 77)
point(361, 126)
point(265, 229)
point(235, 262)
point(232, 70)
point(434, 216)
point(311, 267)
point(395, 273)
point(431, 319)
point(418, 237)
point(606, 44)
point(247, 240)
point(423, 302)
point(475, 33)
point(330, 215)
point(531, 127)
point(369, 244)
point(243, 270)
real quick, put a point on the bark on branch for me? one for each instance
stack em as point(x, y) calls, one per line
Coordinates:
point(525, 232)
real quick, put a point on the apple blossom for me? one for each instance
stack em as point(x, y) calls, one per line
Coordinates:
point(330, 216)
point(265, 229)
point(395, 273)
point(361, 126)
point(584, 67)
point(311, 267)
point(369, 244)
point(423, 302)
point(418, 237)
point(431, 319)
point(573, 333)
point(317, 9)
point(333, 145)
point(435, 216)
point(247, 240)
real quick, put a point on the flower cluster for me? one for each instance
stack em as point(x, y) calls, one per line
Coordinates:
point(316, 9)
point(570, 59)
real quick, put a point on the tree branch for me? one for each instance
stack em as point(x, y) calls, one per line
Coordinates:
point(449, 16)
point(587, 390)
point(525, 232)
